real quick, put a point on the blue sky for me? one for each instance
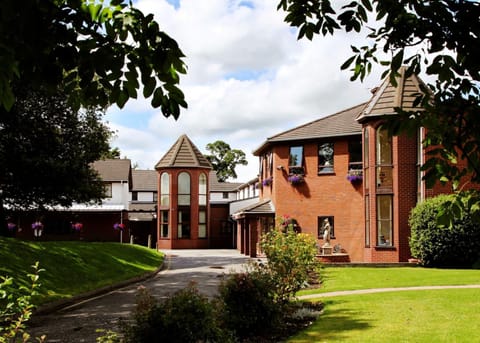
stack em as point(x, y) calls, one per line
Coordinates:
point(248, 78)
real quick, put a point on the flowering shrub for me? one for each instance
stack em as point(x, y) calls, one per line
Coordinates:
point(268, 181)
point(355, 175)
point(296, 179)
point(77, 226)
point(291, 259)
point(286, 222)
point(119, 226)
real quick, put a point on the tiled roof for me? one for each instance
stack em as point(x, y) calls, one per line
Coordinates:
point(114, 170)
point(183, 154)
point(144, 180)
point(387, 97)
point(262, 207)
point(216, 186)
point(342, 123)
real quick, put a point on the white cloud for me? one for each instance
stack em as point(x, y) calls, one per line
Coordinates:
point(281, 82)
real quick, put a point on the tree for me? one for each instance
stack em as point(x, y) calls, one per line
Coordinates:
point(440, 38)
point(111, 154)
point(225, 159)
point(99, 54)
point(46, 151)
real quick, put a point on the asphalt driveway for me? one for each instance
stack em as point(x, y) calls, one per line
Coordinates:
point(79, 322)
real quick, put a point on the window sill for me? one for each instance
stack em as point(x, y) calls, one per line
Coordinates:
point(326, 173)
point(385, 247)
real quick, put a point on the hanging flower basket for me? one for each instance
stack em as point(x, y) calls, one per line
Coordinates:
point(77, 227)
point(11, 226)
point(296, 179)
point(355, 175)
point(37, 226)
point(119, 227)
point(267, 182)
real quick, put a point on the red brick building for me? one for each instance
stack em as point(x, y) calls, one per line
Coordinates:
point(344, 168)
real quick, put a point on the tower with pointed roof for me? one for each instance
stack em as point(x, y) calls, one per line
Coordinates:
point(391, 175)
point(183, 203)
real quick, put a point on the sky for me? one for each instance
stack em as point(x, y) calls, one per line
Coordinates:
point(248, 78)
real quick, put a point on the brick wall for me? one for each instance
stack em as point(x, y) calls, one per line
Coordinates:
point(321, 195)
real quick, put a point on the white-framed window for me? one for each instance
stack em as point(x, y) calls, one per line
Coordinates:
point(165, 189)
point(183, 189)
point(202, 189)
point(202, 224)
point(385, 220)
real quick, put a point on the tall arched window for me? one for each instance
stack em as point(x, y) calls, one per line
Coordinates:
point(202, 202)
point(202, 190)
point(384, 160)
point(183, 205)
point(384, 201)
point(183, 189)
point(165, 189)
point(164, 202)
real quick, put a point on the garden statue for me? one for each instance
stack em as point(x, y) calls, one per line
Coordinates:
point(326, 232)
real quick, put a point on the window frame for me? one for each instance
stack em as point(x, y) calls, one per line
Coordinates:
point(164, 223)
point(387, 243)
point(320, 220)
point(324, 168)
point(299, 167)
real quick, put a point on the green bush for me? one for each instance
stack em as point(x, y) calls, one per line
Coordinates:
point(436, 245)
point(248, 305)
point(186, 316)
point(292, 258)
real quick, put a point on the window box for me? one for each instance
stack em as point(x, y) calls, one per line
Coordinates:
point(355, 175)
point(267, 182)
point(296, 179)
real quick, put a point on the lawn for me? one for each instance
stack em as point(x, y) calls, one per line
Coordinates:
point(350, 278)
point(73, 268)
point(420, 316)
point(449, 315)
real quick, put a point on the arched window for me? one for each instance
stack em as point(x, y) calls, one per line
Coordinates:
point(202, 190)
point(165, 189)
point(384, 160)
point(183, 189)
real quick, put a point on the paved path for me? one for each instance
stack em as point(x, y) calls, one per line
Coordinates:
point(78, 322)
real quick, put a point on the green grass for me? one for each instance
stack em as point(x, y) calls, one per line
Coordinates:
point(417, 316)
point(345, 278)
point(73, 268)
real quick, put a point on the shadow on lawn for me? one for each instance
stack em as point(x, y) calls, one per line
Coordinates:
point(334, 324)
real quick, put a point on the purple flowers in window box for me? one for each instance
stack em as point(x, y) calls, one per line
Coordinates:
point(267, 182)
point(296, 179)
point(355, 175)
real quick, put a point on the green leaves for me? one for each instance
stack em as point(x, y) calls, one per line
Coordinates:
point(107, 52)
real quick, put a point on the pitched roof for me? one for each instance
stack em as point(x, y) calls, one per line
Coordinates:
point(342, 123)
point(144, 180)
point(262, 207)
point(114, 170)
point(387, 97)
point(183, 154)
point(216, 186)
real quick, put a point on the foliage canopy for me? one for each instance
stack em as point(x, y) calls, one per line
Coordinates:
point(438, 38)
point(224, 159)
point(99, 52)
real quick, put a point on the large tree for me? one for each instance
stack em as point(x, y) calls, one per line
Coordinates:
point(440, 38)
point(99, 52)
point(46, 151)
point(224, 159)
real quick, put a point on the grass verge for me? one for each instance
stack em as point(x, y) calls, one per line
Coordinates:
point(346, 278)
point(73, 268)
point(420, 316)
